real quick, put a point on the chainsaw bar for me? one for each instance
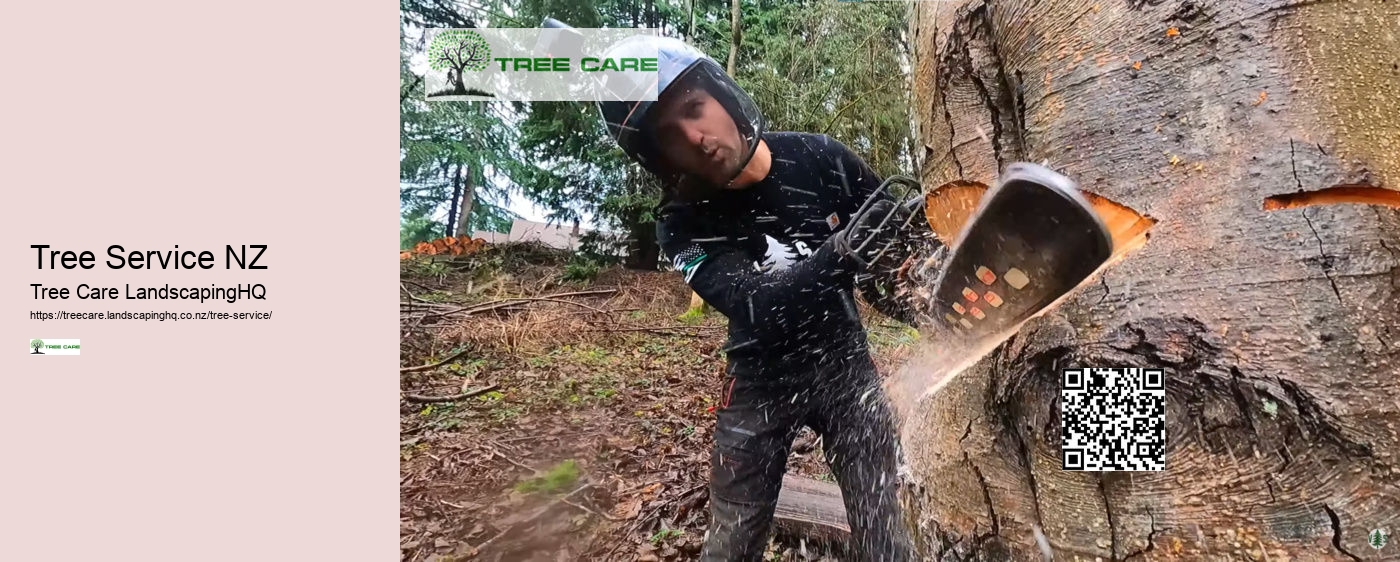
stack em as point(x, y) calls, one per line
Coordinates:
point(1033, 239)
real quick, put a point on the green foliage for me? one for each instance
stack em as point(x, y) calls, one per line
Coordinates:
point(588, 355)
point(458, 49)
point(588, 175)
point(540, 361)
point(665, 535)
point(821, 66)
point(560, 478)
point(602, 247)
point(409, 448)
point(470, 369)
point(438, 411)
point(892, 336)
point(450, 153)
point(420, 266)
point(838, 68)
point(507, 413)
point(692, 317)
point(415, 226)
point(581, 269)
point(447, 424)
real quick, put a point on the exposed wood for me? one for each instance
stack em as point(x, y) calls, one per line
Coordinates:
point(812, 509)
point(1360, 194)
point(697, 304)
point(949, 206)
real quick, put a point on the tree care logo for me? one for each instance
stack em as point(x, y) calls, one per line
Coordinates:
point(542, 64)
point(456, 51)
point(50, 346)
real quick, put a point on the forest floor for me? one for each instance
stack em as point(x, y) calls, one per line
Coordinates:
point(586, 434)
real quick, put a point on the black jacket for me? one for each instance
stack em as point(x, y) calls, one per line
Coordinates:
point(759, 255)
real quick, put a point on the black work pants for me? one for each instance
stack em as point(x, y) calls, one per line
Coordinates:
point(758, 419)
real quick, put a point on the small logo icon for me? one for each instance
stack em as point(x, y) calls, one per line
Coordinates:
point(1378, 538)
point(457, 51)
point(833, 221)
point(50, 346)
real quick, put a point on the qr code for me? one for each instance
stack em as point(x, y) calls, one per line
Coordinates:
point(1113, 419)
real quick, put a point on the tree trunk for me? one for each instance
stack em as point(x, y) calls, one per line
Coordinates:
point(1278, 330)
point(468, 198)
point(643, 251)
point(454, 79)
point(736, 35)
point(456, 197)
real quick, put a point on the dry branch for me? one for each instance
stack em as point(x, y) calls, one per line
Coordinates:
point(660, 330)
point(454, 398)
point(515, 301)
point(434, 365)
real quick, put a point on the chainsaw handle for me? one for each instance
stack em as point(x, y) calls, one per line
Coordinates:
point(885, 187)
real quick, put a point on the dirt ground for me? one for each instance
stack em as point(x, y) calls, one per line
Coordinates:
point(556, 411)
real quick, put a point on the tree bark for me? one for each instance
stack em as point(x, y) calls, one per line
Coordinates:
point(456, 197)
point(468, 198)
point(1278, 330)
point(644, 252)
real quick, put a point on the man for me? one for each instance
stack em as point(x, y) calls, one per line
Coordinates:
point(764, 227)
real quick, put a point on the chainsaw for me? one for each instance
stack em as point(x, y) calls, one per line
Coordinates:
point(1032, 239)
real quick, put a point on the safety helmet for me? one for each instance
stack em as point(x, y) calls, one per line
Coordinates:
point(681, 68)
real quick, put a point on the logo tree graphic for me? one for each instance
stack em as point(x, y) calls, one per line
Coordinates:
point(457, 51)
point(36, 344)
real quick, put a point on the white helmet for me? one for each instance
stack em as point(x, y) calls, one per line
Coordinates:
point(680, 68)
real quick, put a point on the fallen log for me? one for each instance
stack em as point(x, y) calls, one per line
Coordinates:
point(811, 509)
